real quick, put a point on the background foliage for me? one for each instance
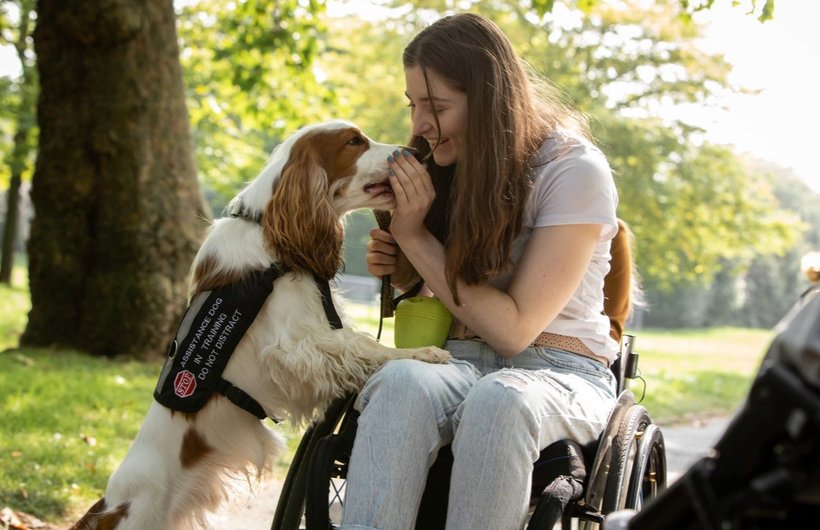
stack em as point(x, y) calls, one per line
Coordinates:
point(714, 230)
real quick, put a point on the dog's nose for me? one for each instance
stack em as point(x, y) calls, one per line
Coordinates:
point(415, 152)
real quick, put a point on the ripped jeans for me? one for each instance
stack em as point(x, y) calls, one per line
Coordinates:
point(497, 413)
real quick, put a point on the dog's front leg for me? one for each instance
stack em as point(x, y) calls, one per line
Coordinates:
point(355, 343)
point(311, 372)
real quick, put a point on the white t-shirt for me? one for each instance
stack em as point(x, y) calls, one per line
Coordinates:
point(573, 184)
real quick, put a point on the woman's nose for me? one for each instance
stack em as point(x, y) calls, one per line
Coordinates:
point(421, 123)
point(421, 127)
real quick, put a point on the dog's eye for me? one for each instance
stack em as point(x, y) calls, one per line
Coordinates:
point(356, 140)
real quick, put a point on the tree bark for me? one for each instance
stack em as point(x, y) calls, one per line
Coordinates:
point(10, 228)
point(118, 208)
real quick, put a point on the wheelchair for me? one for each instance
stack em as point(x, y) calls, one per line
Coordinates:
point(624, 469)
point(574, 485)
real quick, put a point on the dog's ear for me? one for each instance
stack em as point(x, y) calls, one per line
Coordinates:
point(301, 226)
point(98, 517)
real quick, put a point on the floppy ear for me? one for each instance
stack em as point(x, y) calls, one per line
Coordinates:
point(301, 226)
point(99, 517)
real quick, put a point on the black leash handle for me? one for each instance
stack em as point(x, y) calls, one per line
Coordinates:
point(388, 308)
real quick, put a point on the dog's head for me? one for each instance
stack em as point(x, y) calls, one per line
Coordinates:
point(312, 180)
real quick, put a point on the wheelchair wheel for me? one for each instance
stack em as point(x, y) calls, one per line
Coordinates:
point(292, 500)
point(327, 470)
point(597, 475)
point(649, 473)
point(291, 505)
point(638, 463)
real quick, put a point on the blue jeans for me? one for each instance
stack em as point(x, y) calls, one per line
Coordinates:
point(497, 413)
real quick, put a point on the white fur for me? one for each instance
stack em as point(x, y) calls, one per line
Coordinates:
point(290, 361)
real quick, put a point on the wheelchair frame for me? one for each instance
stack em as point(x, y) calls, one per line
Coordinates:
point(628, 469)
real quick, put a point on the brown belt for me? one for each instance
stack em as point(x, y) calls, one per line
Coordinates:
point(544, 340)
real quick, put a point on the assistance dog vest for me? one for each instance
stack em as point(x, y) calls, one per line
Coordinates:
point(208, 334)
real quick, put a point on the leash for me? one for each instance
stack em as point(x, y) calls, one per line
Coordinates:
point(387, 301)
point(387, 309)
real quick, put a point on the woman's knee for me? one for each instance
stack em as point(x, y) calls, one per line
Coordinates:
point(418, 389)
point(505, 394)
point(396, 380)
point(507, 388)
point(404, 372)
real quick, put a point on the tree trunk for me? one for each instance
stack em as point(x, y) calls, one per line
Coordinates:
point(118, 207)
point(10, 228)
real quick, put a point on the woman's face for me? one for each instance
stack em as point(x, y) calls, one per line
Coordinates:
point(451, 107)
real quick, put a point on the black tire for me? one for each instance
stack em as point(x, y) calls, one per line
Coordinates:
point(624, 456)
point(325, 487)
point(597, 474)
point(291, 506)
point(649, 472)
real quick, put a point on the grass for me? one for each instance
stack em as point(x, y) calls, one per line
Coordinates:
point(697, 373)
point(15, 304)
point(69, 418)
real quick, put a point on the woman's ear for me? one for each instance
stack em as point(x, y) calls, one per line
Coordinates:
point(300, 225)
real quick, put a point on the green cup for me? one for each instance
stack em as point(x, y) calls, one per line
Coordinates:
point(421, 321)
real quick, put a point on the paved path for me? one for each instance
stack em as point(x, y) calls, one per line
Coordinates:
point(684, 445)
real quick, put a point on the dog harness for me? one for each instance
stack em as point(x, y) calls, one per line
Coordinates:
point(207, 336)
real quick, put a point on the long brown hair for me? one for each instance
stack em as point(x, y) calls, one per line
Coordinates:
point(479, 205)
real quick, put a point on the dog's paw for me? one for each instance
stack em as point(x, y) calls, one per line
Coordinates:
point(432, 354)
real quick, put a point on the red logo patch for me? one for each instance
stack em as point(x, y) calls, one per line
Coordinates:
point(184, 384)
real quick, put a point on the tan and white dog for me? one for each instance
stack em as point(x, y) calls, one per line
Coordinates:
point(290, 360)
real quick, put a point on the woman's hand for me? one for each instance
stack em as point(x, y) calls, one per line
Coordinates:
point(381, 253)
point(414, 194)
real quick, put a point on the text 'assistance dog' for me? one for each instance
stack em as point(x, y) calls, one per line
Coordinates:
point(259, 286)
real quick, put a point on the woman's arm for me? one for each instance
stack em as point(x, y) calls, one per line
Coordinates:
point(546, 276)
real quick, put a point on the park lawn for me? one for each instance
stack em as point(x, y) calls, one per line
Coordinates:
point(69, 418)
point(696, 373)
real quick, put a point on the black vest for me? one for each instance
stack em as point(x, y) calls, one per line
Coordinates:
point(207, 336)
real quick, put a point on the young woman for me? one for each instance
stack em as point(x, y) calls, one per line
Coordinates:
point(509, 224)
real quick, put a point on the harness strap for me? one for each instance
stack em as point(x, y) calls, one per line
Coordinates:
point(327, 302)
point(241, 399)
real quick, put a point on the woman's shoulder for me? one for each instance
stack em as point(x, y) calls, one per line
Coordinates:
point(569, 157)
point(572, 183)
point(565, 145)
